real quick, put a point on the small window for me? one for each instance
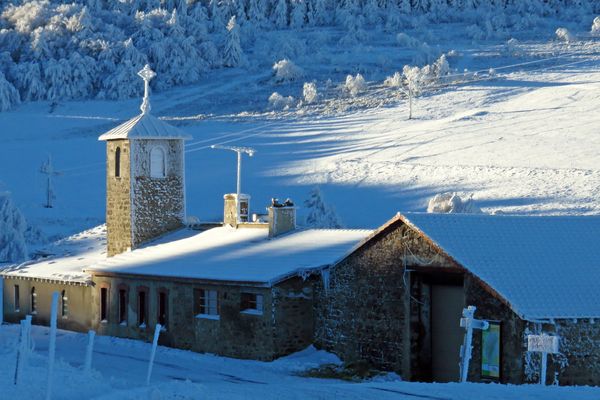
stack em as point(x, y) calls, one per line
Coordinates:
point(206, 303)
point(142, 309)
point(118, 162)
point(17, 299)
point(251, 303)
point(162, 308)
point(123, 305)
point(157, 163)
point(64, 305)
point(33, 301)
point(103, 304)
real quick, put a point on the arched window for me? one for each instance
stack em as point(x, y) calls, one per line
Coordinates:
point(157, 163)
point(33, 301)
point(118, 162)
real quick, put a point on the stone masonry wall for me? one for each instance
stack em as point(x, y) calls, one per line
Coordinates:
point(233, 334)
point(158, 203)
point(364, 314)
point(118, 198)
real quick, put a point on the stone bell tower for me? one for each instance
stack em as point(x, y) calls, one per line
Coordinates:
point(145, 188)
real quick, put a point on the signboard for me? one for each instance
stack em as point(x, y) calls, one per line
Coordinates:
point(542, 343)
point(490, 351)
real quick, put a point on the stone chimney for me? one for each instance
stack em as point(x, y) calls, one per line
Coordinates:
point(230, 211)
point(282, 217)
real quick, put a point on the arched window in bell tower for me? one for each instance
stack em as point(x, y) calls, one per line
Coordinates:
point(157, 163)
point(118, 162)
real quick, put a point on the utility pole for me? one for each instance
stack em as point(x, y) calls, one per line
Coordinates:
point(48, 169)
point(239, 150)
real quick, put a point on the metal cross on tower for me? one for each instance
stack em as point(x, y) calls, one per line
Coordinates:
point(239, 150)
point(146, 74)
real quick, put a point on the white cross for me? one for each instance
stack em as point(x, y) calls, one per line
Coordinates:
point(146, 74)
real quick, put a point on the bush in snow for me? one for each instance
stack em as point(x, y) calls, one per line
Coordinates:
point(320, 215)
point(513, 47)
point(563, 35)
point(9, 96)
point(394, 80)
point(12, 231)
point(407, 41)
point(309, 92)
point(286, 71)
point(355, 84)
point(279, 102)
point(451, 203)
point(596, 26)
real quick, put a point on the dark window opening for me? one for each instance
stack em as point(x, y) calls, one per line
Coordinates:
point(142, 309)
point(17, 299)
point(104, 304)
point(64, 309)
point(123, 306)
point(251, 303)
point(118, 162)
point(33, 301)
point(162, 309)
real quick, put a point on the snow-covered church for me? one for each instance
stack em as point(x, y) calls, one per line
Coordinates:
point(265, 288)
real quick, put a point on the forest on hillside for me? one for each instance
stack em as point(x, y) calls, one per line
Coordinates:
point(52, 50)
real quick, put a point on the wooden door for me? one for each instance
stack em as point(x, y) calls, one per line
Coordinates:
point(447, 303)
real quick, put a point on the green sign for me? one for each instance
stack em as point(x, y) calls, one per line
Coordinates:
point(490, 351)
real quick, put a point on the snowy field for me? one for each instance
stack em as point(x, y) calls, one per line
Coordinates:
point(524, 140)
point(120, 367)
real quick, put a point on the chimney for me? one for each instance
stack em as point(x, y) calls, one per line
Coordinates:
point(233, 216)
point(282, 217)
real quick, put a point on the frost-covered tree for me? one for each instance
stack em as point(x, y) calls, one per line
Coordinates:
point(452, 203)
point(9, 95)
point(280, 14)
point(372, 12)
point(596, 26)
point(255, 13)
point(320, 14)
point(320, 215)
point(309, 92)
point(298, 14)
point(29, 81)
point(286, 71)
point(123, 83)
point(216, 16)
point(355, 84)
point(233, 54)
point(12, 231)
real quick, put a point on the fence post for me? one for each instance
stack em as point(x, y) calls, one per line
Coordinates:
point(153, 353)
point(87, 365)
point(52, 346)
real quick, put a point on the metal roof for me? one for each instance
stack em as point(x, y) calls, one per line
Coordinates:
point(144, 126)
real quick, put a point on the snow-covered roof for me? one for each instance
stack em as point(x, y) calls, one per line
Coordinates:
point(543, 266)
point(223, 254)
point(238, 255)
point(66, 259)
point(144, 126)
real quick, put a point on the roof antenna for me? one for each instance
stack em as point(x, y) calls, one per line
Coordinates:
point(146, 74)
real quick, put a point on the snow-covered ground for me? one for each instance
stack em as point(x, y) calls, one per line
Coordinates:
point(120, 367)
point(522, 141)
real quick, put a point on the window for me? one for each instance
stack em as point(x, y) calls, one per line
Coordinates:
point(157, 163)
point(162, 308)
point(17, 299)
point(33, 301)
point(64, 305)
point(123, 305)
point(251, 303)
point(118, 162)
point(206, 303)
point(142, 308)
point(104, 304)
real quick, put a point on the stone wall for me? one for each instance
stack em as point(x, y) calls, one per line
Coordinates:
point(118, 198)
point(158, 203)
point(284, 326)
point(365, 311)
point(78, 298)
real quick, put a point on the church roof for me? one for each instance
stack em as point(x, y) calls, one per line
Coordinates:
point(144, 126)
point(543, 266)
point(220, 254)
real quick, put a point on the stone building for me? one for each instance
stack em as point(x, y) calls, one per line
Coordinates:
point(239, 288)
point(396, 300)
